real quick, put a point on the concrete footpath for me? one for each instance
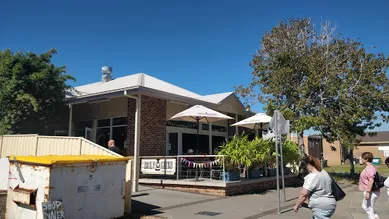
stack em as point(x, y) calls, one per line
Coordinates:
point(178, 205)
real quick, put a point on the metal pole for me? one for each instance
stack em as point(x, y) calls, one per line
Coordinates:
point(282, 169)
point(277, 171)
point(210, 139)
point(197, 140)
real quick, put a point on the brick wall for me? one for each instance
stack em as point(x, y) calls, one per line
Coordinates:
point(153, 126)
point(130, 126)
point(261, 186)
point(234, 188)
point(369, 148)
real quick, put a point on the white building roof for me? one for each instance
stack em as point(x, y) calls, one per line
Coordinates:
point(141, 80)
point(216, 98)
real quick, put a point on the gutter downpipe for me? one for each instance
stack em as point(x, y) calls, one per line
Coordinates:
point(138, 99)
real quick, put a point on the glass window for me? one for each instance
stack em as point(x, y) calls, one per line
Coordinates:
point(79, 133)
point(103, 122)
point(83, 124)
point(182, 124)
point(218, 128)
point(103, 136)
point(119, 134)
point(189, 141)
point(119, 121)
point(205, 127)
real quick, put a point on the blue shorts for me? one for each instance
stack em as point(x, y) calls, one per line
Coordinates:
point(318, 213)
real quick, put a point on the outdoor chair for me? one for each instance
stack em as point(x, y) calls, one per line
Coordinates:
point(198, 174)
point(216, 174)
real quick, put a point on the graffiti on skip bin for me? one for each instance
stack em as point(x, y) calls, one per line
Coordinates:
point(158, 166)
point(53, 210)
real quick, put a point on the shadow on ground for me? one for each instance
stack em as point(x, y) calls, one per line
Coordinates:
point(144, 208)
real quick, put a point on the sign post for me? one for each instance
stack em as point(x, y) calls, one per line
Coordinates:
point(277, 170)
point(284, 131)
point(280, 126)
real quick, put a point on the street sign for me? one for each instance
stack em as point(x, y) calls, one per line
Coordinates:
point(279, 126)
point(278, 123)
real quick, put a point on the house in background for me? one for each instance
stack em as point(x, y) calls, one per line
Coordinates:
point(109, 110)
point(335, 154)
point(377, 144)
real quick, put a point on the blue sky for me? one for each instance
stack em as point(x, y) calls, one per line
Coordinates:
point(204, 46)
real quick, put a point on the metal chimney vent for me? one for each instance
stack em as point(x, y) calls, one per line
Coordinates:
point(107, 71)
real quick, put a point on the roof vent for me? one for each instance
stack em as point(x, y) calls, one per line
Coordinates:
point(107, 71)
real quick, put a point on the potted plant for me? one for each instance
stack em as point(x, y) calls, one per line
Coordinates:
point(233, 156)
point(259, 149)
point(290, 156)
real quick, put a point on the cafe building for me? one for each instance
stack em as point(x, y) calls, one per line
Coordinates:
point(136, 109)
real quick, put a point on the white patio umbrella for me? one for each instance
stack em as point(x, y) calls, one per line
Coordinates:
point(258, 121)
point(199, 113)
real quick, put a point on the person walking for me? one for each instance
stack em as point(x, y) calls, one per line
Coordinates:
point(366, 181)
point(386, 183)
point(317, 189)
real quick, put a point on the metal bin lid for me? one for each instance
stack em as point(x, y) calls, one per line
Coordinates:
point(68, 159)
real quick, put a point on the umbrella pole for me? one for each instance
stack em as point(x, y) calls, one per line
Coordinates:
point(197, 137)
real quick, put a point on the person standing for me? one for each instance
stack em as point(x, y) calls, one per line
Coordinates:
point(317, 188)
point(366, 181)
point(387, 179)
point(112, 147)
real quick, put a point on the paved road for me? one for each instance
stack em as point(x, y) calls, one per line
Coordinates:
point(3, 200)
point(176, 205)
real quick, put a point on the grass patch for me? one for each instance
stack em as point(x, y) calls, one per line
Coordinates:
point(382, 169)
point(342, 173)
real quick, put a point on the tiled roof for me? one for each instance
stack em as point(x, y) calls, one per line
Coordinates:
point(378, 137)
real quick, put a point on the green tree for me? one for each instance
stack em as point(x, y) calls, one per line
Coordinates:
point(281, 73)
point(32, 91)
point(320, 80)
point(353, 93)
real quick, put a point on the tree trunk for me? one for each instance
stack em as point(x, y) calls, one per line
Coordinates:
point(351, 158)
point(300, 137)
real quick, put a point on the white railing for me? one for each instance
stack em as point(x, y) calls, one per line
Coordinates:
point(36, 145)
point(183, 167)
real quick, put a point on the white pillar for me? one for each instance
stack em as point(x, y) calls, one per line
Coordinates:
point(70, 119)
point(210, 139)
point(236, 127)
point(137, 143)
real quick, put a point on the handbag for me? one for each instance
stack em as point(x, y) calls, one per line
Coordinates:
point(337, 192)
point(378, 181)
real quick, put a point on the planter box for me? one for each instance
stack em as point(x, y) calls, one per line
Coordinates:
point(287, 171)
point(255, 174)
point(271, 172)
point(231, 176)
